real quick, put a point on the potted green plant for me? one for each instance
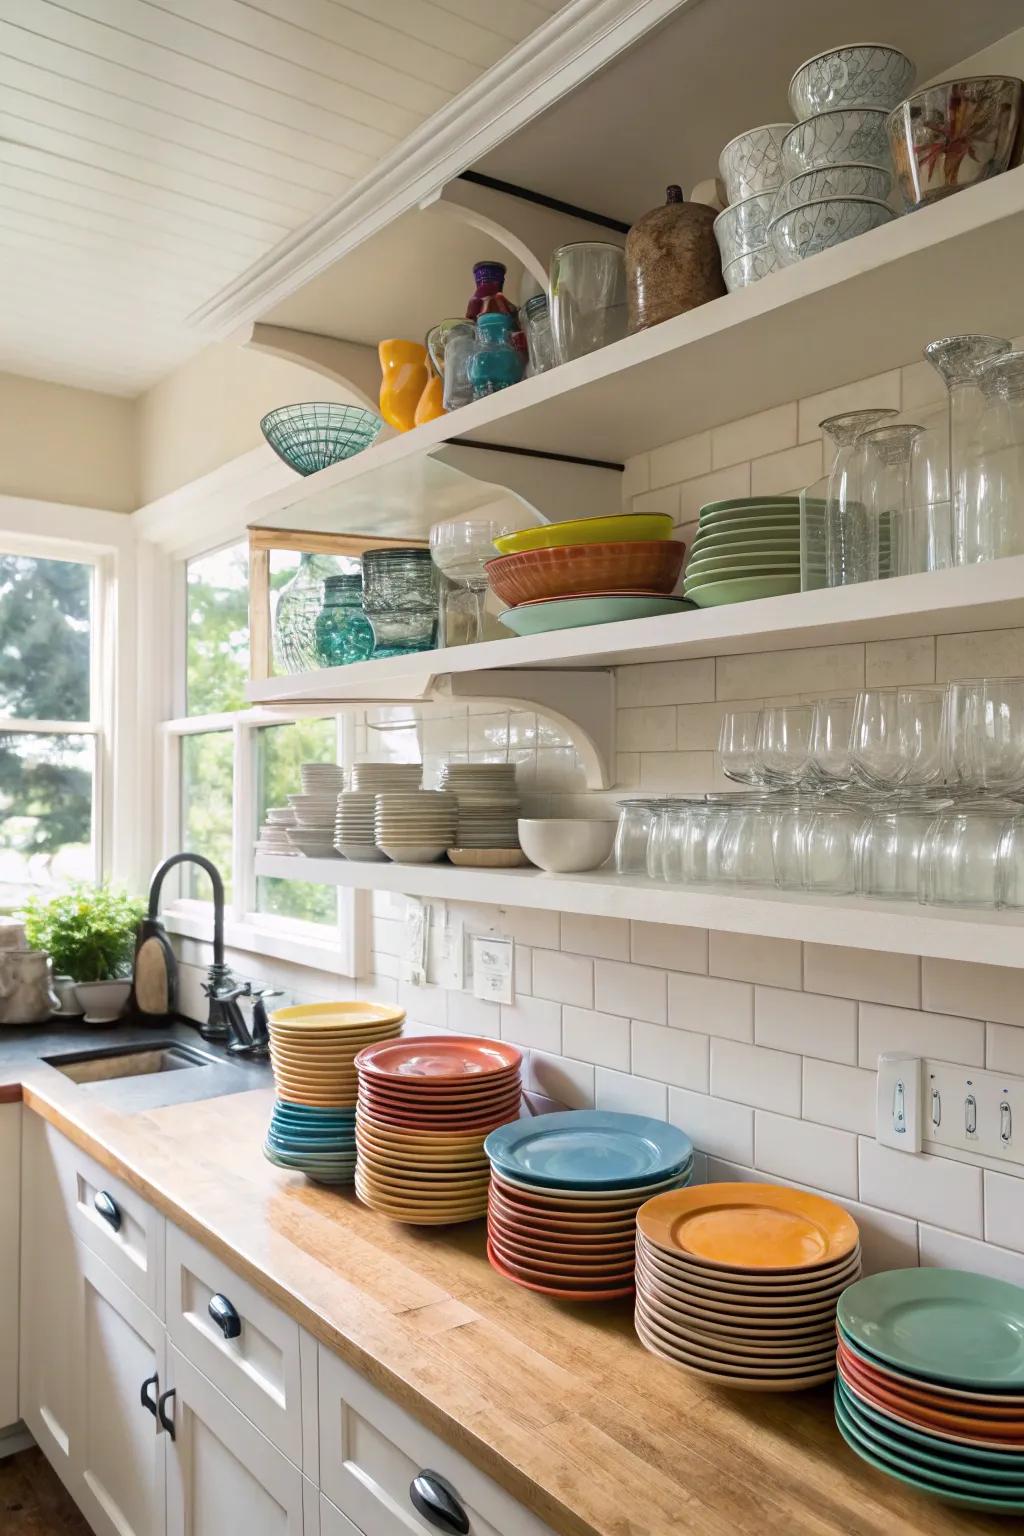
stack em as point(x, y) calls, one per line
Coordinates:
point(89, 934)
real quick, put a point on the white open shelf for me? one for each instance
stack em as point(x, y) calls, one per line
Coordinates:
point(991, 938)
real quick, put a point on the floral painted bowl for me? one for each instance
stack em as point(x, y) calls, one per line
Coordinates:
point(750, 268)
point(858, 75)
point(751, 162)
point(743, 227)
point(834, 181)
point(855, 136)
point(953, 134)
point(814, 227)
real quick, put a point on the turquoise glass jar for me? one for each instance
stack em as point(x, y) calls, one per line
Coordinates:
point(343, 634)
point(495, 363)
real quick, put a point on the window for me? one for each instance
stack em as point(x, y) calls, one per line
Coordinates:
point(48, 741)
point(217, 631)
point(280, 752)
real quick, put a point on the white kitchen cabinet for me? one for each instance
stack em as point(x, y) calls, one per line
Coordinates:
point(333, 1522)
point(223, 1476)
point(10, 1259)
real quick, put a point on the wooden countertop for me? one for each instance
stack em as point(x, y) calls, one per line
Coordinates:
point(559, 1403)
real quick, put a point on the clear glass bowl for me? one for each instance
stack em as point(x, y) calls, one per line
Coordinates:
point(311, 436)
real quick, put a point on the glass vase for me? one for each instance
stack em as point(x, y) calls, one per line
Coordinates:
point(956, 359)
point(994, 471)
point(540, 343)
point(296, 612)
point(851, 535)
point(343, 634)
point(882, 465)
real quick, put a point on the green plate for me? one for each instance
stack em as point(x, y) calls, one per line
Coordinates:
point(720, 522)
point(982, 1479)
point(888, 1465)
point(766, 568)
point(945, 1324)
point(746, 536)
point(896, 1430)
point(574, 612)
point(763, 559)
point(747, 504)
point(744, 589)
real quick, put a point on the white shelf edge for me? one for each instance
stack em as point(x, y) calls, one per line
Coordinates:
point(991, 938)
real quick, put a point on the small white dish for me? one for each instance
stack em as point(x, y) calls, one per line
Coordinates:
point(415, 855)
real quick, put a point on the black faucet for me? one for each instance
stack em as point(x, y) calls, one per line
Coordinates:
point(252, 1041)
point(219, 981)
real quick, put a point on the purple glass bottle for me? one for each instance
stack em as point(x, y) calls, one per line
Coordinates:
point(488, 297)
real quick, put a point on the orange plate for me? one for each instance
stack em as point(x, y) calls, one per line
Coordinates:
point(749, 1226)
point(442, 1087)
point(640, 565)
point(561, 1293)
point(560, 1269)
point(921, 1393)
point(439, 1056)
point(437, 1103)
point(971, 1426)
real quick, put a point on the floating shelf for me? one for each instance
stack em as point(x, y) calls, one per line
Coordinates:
point(991, 938)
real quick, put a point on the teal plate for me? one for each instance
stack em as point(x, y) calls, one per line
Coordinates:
point(893, 1469)
point(979, 1478)
point(899, 1430)
point(577, 612)
point(945, 1324)
point(744, 589)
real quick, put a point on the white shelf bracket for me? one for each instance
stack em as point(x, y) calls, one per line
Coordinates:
point(582, 703)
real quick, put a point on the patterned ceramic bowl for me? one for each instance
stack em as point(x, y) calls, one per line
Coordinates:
point(953, 134)
point(856, 136)
point(750, 268)
point(814, 227)
point(583, 569)
point(834, 181)
point(751, 163)
point(743, 227)
point(859, 75)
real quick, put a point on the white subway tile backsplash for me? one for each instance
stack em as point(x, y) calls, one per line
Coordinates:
point(782, 474)
point(748, 957)
point(676, 1056)
point(606, 938)
point(948, 1250)
point(681, 460)
point(664, 499)
point(720, 486)
point(533, 1022)
point(817, 670)
point(698, 726)
point(805, 1022)
point(651, 728)
point(714, 1125)
point(666, 682)
point(981, 653)
point(567, 1082)
point(835, 1094)
point(469, 1015)
point(636, 477)
point(425, 1005)
point(1004, 1209)
point(635, 991)
point(522, 969)
point(1004, 1048)
point(978, 991)
point(628, 1095)
point(795, 1149)
point(899, 663)
point(752, 1075)
point(598, 1037)
point(563, 978)
point(881, 389)
point(675, 949)
point(866, 974)
point(938, 1035)
point(752, 436)
point(711, 1006)
point(934, 1189)
point(677, 770)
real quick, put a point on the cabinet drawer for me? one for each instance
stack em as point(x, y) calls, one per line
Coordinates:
point(371, 1450)
point(241, 1341)
point(111, 1219)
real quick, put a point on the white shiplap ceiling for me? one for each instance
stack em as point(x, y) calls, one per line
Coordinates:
point(150, 152)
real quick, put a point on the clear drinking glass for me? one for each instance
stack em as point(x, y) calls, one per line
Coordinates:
point(851, 536)
point(699, 832)
point(831, 737)
point(588, 297)
point(1011, 864)
point(881, 465)
point(743, 851)
point(897, 738)
point(737, 746)
point(829, 841)
point(983, 735)
point(889, 847)
point(789, 815)
point(994, 470)
point(929, 486)
point(784, 744)
point(540, 344)
point(459, 346)
point(461, 550)
point(956, 360)
point(631, 836)
point(960, 857)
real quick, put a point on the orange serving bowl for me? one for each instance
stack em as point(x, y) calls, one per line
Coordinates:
point(583, 570)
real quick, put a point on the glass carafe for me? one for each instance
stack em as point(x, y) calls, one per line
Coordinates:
point(882, 468)
point(956, 359)
point(994, 471)
point(851, 535)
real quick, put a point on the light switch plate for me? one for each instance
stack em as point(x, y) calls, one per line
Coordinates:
point(974, 1111)
point(898, 1102)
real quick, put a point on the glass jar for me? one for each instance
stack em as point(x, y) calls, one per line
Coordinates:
point(400, 600)
point(495, 363)
point(956, 359)
point(459, 346)
point(342, 632)
point(588, 298)
point(636, 818)
point(296, 611)
point(851, 535)
point(540, 344)
point(488, 294)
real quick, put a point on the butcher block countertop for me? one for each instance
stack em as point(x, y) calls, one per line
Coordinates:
point(559, 1403)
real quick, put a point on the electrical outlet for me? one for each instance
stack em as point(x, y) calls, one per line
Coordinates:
point(974, 1110)
point(898, 1102)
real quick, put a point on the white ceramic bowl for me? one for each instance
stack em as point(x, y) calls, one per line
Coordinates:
point(102, 1001)
point(415, 854)
point(854, 136)
point(743, 227)
point(751, 162)
point(566, 845)
point(814, 227)
point(856, 75)
point(834, 181)
point(750, 268)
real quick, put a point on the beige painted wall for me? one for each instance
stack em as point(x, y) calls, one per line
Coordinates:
point(67, 445)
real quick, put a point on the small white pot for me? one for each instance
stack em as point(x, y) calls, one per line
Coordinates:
point(103, 1001)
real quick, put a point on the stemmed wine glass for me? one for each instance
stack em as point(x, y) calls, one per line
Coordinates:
point(461, 550)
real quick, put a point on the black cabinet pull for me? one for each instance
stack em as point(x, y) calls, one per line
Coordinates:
point(225, 1316)
point(165, 1422)
point(144, 1397)
point(106, 1206)
point(437, 1502)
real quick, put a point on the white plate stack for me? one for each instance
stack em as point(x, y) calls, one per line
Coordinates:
point(378, 777)
point(315, 810)
point(488, 812)
point(415, 826)
point(354, 827)
point(322, 779)
point(273, 835)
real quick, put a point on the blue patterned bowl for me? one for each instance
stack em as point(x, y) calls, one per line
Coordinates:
point(814, 227)
point(750, 163)
point(859, 75)
point(743, 227)
point(750, 268)
point(856, 136)
point(834, 181)
point(310, 436)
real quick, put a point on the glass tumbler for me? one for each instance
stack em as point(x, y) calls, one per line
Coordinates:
point(889, 847)
point(897, 740)
point(831, 737)
point(983, 735)
point(400, 600)
point(956, 359)
point(459, 346)
point(737, 746)
point(742, 853)
point(882, 467)
point(960, 857)
point(540, 344)
point(829, 841)
point(636, 817)
point(461, 549)
point(994, 473)
point(851, 534)
point(698, 830)
point(1011, 864)
point(588, 298)
point(784, 744)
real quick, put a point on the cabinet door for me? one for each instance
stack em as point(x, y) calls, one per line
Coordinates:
point(121, 1461)
point(222, 1474)
point(10, 1207)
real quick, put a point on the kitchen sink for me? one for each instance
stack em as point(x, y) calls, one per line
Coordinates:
point(102, 1066)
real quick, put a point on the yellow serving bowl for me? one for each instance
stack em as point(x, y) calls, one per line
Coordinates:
point(624, 528)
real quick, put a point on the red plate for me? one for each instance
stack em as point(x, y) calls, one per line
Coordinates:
point(562, 1221)
point(569, 1261)
point(964, 1427)
point(432, 1058)
point(561, 1242)
point(429, 1103)
point(561, 1293)
point(922, 1394)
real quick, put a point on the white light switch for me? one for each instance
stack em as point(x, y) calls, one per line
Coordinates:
point(974, 1110)
point(898, 1103)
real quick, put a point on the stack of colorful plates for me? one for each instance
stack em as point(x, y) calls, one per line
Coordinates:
point(425, 1107)
point(931, 1383)
point(321, 1143)
point(746, 548)
point(354, 827)
point(565, 1189)
point(415, 826)
point(738, 1283)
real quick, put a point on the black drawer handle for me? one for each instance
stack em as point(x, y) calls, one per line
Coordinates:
point(225, 1316)
point(106, 1206)
point(438, 1503)
point(144, 1397)
point(164, 1420)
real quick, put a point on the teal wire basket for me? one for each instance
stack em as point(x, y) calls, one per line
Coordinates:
point(308, 437)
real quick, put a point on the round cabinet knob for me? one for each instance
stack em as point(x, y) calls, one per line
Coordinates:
point(436, 1500)
point(106, 1206)
point(225, 1316)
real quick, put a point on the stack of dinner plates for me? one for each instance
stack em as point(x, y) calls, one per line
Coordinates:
point(315, 809)
point(320, 1143)
point(415, 826)
point(738, 1283)
point(488, 825)
point(745, 548)
point(565, 1189)
point(322, 778)
point(425, 1107)
point(376, 777)
point(273, 835)
point(930, 1387)
point(354, 826)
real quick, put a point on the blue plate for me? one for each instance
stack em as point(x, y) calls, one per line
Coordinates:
point(897, 1430)
point(589, 1149)
point(311, 1148)
point(307, 1114)
point(1000, 1484)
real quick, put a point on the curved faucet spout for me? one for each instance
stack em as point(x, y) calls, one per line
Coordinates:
point(218, 895)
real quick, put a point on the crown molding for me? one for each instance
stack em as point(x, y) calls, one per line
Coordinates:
point(560, 55)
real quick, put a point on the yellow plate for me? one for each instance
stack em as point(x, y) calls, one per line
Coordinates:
point(340, 1015)
point(749, 1226)
point(623, 528)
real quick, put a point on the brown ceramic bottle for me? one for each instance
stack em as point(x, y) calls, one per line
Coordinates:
point(672, 261)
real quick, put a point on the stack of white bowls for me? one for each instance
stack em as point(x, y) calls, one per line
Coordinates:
point(273, 835)
point(315, 809)
point(322, 779)
point(487, 835)
point(836, 160)
point(354, 827)
point(751, 168)
point(415, 826)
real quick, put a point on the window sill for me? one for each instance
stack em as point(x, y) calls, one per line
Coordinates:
point(273, 939)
